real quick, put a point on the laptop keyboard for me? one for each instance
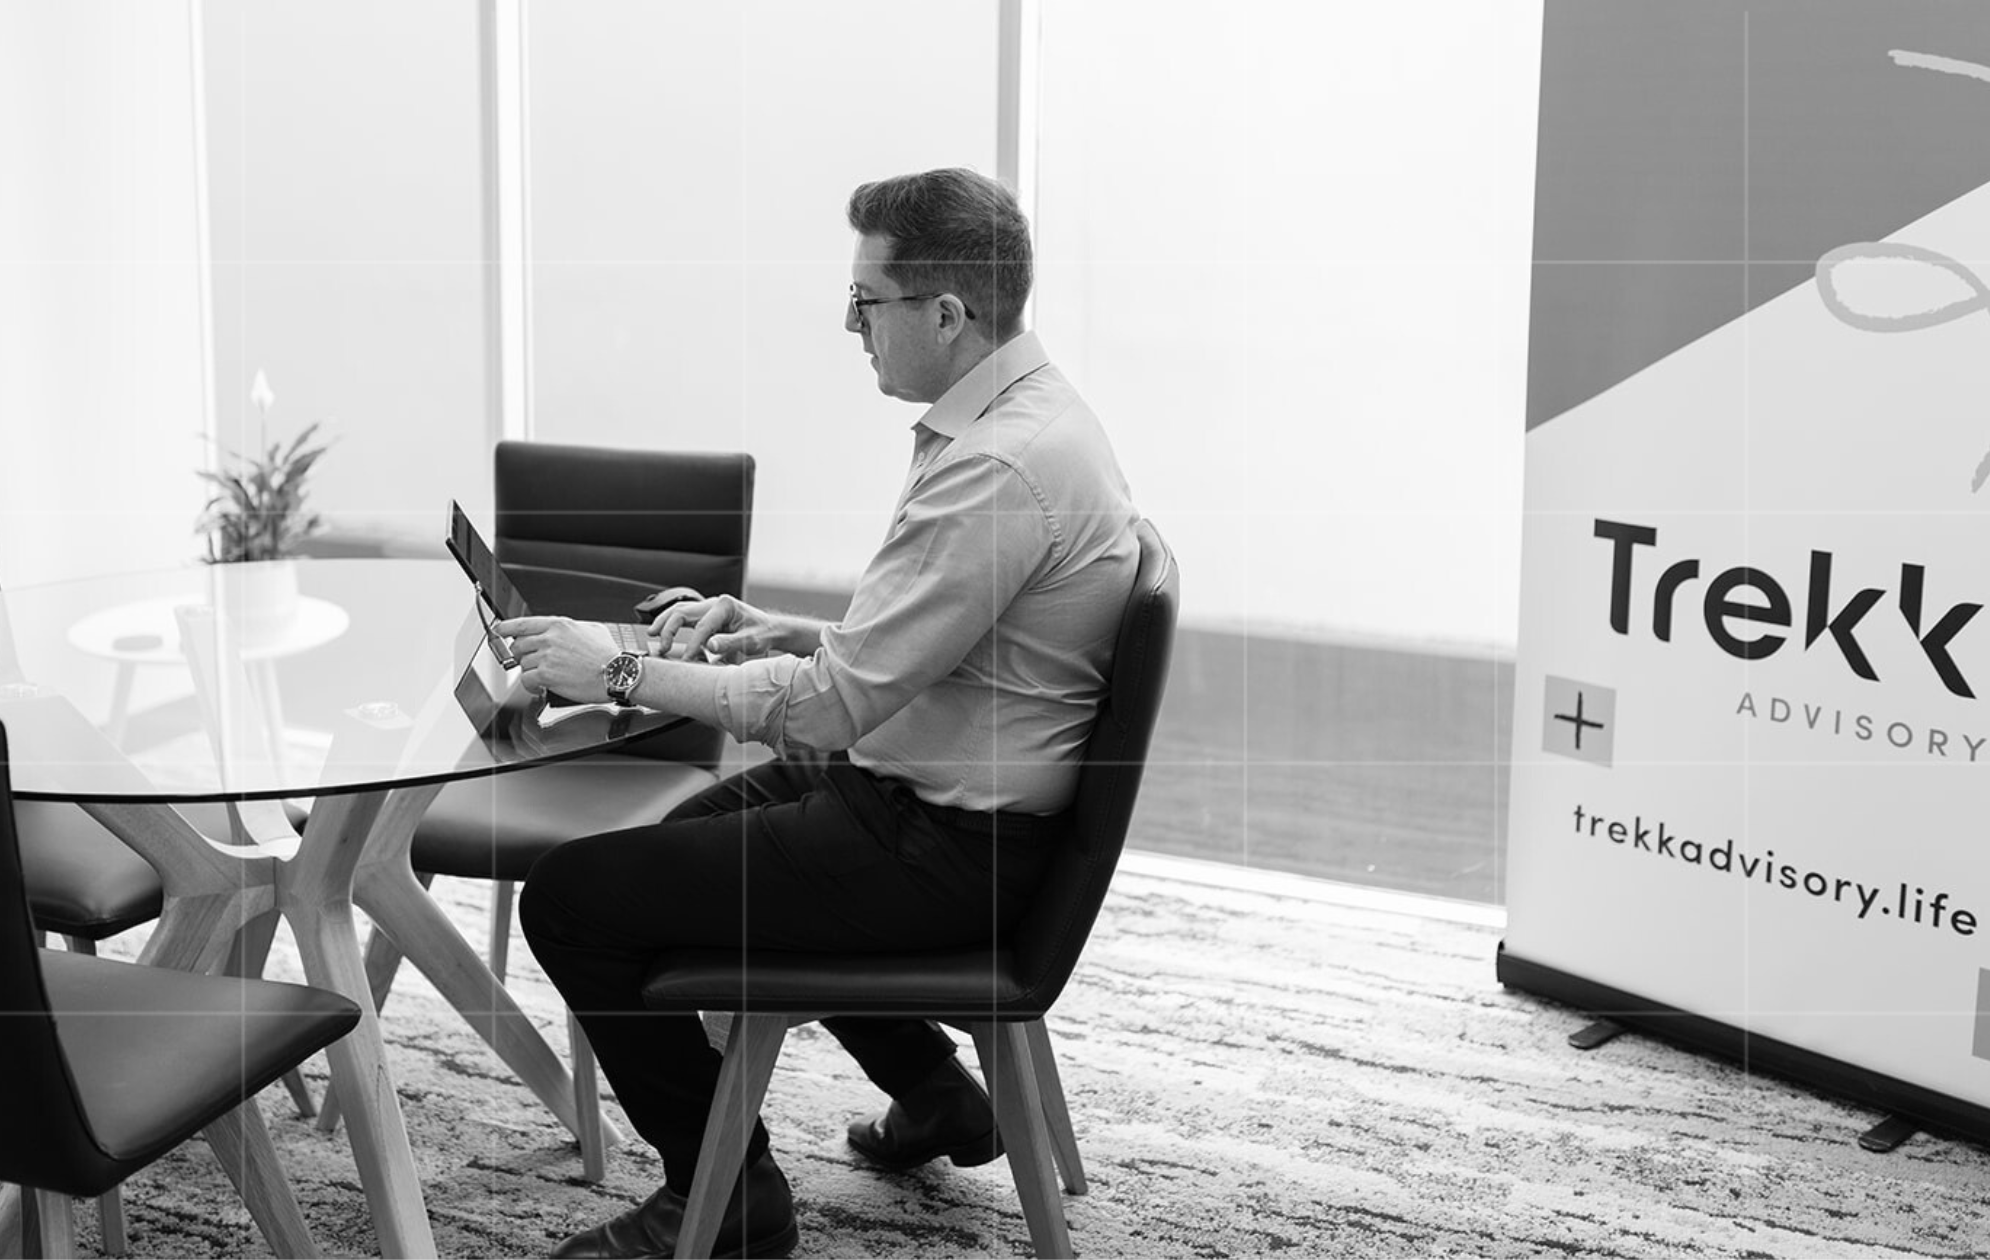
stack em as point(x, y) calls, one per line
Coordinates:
point(630, 638)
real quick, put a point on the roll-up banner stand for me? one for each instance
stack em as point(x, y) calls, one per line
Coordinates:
point(1751, 780)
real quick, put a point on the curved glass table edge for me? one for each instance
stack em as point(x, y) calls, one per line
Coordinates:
point(221, 796)
point(522, 709)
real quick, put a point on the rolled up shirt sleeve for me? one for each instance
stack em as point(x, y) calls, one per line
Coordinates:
point(968, 537)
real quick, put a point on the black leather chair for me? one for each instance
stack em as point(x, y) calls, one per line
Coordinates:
point(86, 886)
point(655, 519)
point(106, 1066)
point(998, 994)
point(567, 516)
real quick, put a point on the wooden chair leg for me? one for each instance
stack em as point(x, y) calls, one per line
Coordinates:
point(11, 1242)
point(383, 961)
point(300, 1094)
point(54, 1223)
point(110, 1223)
point(19, 1234)
point(499, 953)
point(30, 1221)
point(241, 1145)
point(1056, 1114)
point(1005, 1064)
point(110, 1204)
point(587, 1105)
point(750, 1055)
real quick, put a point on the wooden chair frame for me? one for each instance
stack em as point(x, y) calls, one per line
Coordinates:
point(1030, 1113)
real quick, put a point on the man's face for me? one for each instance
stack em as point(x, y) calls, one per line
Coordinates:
point(898, 336)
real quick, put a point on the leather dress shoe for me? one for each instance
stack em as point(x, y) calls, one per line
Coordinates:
point(759, 1221)
point(947, 1114)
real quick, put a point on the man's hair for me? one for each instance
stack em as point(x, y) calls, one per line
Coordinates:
point(952, 231)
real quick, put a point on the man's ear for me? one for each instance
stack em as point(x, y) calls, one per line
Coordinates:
point(953, 317)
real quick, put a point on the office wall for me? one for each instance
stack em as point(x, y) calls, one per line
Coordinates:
point(101, 409)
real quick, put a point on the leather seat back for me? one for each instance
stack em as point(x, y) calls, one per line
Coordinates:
point(1019, 977)
point(46, 1140)
point(657, 518)
point(1050, 936)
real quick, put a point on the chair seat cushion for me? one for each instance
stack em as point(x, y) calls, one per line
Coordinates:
point(81, 879)
point(964, 984)
point(496, 827)
point(156, 1054)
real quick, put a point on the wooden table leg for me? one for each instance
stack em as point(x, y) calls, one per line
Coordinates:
point(242, 1143)
point(401, 907)
point(209, 896)
point(314, 893)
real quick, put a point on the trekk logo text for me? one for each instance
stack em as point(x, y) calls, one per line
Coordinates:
point(1744, 609)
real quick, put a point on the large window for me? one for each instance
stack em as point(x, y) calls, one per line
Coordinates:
point(346, 201)
point(100, 290)
point(1285, 252)
point(689, 166)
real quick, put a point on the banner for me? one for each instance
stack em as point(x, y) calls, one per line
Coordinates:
point(1751, 773)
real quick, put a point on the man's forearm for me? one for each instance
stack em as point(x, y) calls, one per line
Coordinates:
point(697, 690)
point(679, 687)
point(797, 635)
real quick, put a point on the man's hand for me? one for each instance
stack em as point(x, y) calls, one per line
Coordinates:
point(730, 629)
point(560, 654)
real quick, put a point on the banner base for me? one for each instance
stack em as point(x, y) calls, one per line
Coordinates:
point(1927, 1109)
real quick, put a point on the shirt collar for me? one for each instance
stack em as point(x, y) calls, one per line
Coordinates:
point(986, 381)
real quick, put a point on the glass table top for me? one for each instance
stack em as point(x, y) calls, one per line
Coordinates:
point(281, 678)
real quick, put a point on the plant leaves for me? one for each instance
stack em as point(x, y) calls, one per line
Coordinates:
point(257, 510)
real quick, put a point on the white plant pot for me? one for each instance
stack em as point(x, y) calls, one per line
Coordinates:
point(258, 596)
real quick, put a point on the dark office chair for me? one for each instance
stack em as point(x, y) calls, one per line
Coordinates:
point(656, 519)
point(86, 886)
point(999, 994)
point(106, 1066)
point(567, 516)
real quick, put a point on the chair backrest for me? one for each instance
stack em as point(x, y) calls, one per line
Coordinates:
point(1051, 935)
point(45, 1140)
point(662, 518)
point(668, 518)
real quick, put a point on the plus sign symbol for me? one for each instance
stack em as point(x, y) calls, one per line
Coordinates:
point(1579, 720)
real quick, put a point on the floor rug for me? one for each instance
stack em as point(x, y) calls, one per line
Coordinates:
point(1270, 1066)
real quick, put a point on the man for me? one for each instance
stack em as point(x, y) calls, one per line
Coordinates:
point(929, 739)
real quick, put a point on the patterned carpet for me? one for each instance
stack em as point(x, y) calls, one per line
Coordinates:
point(1280, 1067)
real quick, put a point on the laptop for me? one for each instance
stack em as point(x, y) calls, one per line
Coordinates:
point(496, 592)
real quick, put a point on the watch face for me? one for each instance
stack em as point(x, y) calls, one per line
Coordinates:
point(622, 674)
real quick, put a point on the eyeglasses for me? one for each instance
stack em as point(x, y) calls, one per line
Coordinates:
point(857, 304)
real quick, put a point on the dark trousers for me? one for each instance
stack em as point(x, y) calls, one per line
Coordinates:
point(786, 856)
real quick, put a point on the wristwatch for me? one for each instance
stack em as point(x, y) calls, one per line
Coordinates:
point(621, 675)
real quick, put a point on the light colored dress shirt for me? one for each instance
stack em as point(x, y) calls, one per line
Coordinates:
point(972, 659)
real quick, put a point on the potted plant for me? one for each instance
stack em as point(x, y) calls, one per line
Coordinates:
point(257, 513)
